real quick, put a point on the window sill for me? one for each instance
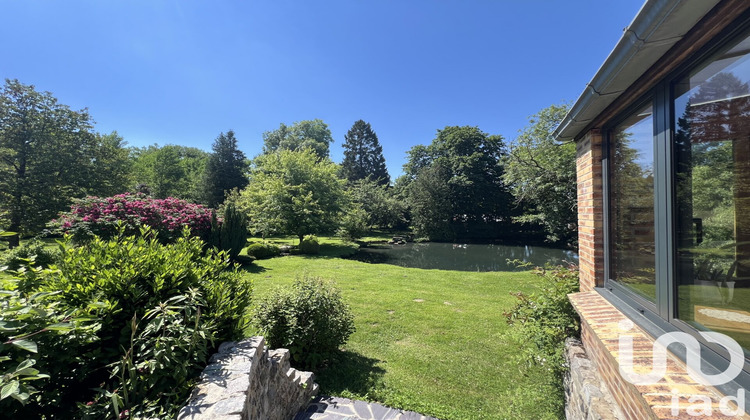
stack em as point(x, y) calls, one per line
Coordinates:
point(671, 397)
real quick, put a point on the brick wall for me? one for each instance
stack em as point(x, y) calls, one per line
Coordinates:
point(669, 398)
point(590, 210)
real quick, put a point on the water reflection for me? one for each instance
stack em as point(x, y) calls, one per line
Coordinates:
point(463, 257)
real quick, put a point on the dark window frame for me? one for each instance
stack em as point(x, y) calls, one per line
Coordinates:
point(660, 316)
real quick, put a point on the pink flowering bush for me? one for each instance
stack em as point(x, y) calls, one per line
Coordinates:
point(100, 216)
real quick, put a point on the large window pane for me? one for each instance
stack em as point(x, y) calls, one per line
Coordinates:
point(632, 260)
point(712, 156)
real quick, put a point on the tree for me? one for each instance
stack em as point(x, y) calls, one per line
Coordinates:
point(542, 175)
point(308, 134)
point(225, 170)
point(170, 170)
point(112, 171)
point(292, 192)
point(470, 164)
point(363, 155)
point(48, 155)
point(383, 208)
point(430, 202)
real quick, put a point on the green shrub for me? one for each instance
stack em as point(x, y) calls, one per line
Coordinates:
point(42, 344)
point(309, 318)
point(354, 224)
point(159, 311)
point(541, 321)
point(43, 257)
point(309, 245)
point(231, 234)
point(262, 251)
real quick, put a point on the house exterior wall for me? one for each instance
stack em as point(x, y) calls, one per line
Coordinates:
point(599, 318)
point(590, 210)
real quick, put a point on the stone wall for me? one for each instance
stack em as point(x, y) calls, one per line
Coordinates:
point(245, 380)
point(586, 397)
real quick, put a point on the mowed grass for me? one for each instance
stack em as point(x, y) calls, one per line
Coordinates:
point(430, 341)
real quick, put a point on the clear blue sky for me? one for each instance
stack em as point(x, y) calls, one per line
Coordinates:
point(181, 71)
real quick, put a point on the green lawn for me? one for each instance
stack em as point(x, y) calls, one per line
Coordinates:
point(430, 341)
point(427, 340)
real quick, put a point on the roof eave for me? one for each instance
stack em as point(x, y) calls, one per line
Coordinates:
point(657, 27)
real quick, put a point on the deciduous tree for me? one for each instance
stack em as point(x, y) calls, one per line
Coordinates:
point(470, 165)
point(293, 192)
point(48, 155)
point(308, 134)
point(170, 170)
point(542, 175)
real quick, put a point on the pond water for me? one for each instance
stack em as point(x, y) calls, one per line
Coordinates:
point(463, 257)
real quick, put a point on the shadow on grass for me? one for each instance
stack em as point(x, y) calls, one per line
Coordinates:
point(352, 372)
point(334, 251)
point(252, 268)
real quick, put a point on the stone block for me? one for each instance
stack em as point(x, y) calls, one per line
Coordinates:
point(246, 381)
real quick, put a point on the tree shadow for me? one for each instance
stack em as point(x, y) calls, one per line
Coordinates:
point(252, 268)
point(350, 371)
point(333, 251)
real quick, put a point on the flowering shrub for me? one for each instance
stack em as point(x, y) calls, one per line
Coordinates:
point(100, 216)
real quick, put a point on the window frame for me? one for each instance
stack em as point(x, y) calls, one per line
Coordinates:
point(612, 285)
point(660, 316)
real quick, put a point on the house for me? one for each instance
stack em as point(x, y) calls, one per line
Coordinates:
point(663, 162)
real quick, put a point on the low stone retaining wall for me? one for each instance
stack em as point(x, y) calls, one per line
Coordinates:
point(586, 396)
point(244, 380)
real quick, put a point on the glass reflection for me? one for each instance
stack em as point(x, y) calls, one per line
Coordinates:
point(632, 204)
point(712, 155)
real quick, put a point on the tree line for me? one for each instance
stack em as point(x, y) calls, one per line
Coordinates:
point(465, 185)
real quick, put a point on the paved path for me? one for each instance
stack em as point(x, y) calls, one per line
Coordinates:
point(335, 408)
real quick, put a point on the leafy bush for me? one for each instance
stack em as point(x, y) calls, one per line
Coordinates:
point(159, 311)
point(40, 341)
point(43, 257)
point(101, 216)
point(541, 321)
point(262, 251)
point(310, 319)
point(309, 245)
point(354, 224)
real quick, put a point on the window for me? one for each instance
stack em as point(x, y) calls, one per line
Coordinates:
point(632, 203)
point(712, 161)
point(678, 188)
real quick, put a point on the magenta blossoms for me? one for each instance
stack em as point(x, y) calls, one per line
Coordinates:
point(167, 217)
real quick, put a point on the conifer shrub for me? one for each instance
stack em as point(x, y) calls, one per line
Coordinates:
point(230, 233)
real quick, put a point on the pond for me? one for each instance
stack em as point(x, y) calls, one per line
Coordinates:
point(463, 257)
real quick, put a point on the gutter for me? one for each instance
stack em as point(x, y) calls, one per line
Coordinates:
point(658, 26)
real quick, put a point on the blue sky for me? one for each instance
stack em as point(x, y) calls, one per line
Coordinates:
point(181, 72)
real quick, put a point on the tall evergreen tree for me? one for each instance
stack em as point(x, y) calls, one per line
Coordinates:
point(225, 170)
point(363, 155)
